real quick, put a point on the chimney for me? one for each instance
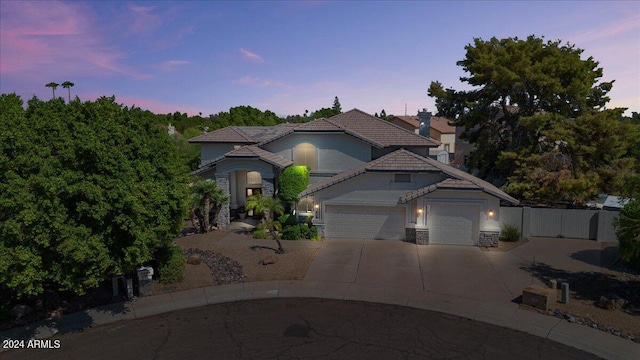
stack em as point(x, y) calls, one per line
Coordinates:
point(424, 118)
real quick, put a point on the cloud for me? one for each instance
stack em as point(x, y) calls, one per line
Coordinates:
point(608, 31)
point(52, 38)
point(259, 82)
point(144, 21)
point(171, 65)
point(251, 56)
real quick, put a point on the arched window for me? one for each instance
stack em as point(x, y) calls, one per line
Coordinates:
point(306, 154)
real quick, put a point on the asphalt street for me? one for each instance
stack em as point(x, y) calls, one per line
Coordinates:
point(301, 328)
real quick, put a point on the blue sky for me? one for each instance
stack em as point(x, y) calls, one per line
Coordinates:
point(287, 56)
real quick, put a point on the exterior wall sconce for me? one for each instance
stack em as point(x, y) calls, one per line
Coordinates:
point(491, 213)
point(316, 206)
point(420, 211)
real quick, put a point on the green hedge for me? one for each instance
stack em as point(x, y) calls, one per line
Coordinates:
point(292, 182)
point(299, 232)
point(172, 264)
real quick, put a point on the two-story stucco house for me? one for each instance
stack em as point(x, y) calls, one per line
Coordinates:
point(369, 179)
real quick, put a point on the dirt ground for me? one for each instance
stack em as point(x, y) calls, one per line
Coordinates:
point(587, 288)
point(292, 265)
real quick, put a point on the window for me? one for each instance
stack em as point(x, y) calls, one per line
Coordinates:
point(254, 177)
point(403, 178)
point(447, 148)
point(305, 204)
point(306, 154)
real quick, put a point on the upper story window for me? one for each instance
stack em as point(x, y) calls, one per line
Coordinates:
point(254, 177)
point(306, 154)
point(402, 178)
point(447, 147)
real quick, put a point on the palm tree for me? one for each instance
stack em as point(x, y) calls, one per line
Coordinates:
point(53, 87)
point(67, 85)
point(210, 196)
point(268, 206)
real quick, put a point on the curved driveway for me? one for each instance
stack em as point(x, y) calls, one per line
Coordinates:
point(297, 328)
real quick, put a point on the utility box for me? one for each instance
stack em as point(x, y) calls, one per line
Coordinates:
point(145, 280)
point(540, 297)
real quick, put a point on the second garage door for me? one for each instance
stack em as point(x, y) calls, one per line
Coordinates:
point(453, 224)
point(364, 222)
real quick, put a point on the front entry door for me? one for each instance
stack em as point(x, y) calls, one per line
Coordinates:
point(250, 192)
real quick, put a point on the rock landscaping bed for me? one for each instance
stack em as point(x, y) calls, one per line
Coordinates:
point(223, 269)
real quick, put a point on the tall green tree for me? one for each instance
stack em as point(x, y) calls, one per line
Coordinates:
point(87, 190)
point(53, 87)
point(523, 93)
point(68, 85)
point(337, 108)
point(269, 207)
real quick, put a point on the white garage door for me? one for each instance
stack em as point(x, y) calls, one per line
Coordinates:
point(364, 222)
point(453, 224)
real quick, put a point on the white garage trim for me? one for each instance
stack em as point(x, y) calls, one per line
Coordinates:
point(454, 224)
point(364, 222)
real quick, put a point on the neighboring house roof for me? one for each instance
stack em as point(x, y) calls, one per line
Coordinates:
point(615, 202)
point(437, 122)
point(228, 134)
point(357, 123)
point(442, 125)
point(248, 152)
point(406, 161)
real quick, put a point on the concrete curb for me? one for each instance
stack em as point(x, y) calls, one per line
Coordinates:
point(505, 315)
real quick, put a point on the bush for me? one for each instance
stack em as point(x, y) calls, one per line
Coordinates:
point(627, 227)
point(509, 233)
point(260, 234)
point(291, 232)
point(172, 264)
point(288, 219)
point(299, 232)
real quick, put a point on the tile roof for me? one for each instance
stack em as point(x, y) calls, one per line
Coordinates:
point(411, 120)
point(228, 134)
point(442, 125)
point(247, 152)
point(378, 131)
point(403, 160)
point(437, 122)
point(450, 183)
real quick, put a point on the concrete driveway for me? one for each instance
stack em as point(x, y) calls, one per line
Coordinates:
point(456, 270)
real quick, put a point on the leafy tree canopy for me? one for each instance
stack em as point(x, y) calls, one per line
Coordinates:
point(536, 116)
point(293, 181)
point(86, 190)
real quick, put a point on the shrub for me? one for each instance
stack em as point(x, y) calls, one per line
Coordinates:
point(314, 233)
point(172, 263)
point(260, 234)
point(627, 227)
point(291, 232)
point(509, 233)
point(293, 181)
point(288, 219)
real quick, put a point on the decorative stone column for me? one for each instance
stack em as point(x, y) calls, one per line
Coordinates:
point(224, 219)
point(489, 238)
point(410, 235)
point(422, 236)
point(268, 189)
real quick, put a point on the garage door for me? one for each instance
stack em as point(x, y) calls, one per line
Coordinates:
point(453, 224)
point(364, 222)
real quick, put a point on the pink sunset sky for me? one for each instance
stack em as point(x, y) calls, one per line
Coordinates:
point(287, 57)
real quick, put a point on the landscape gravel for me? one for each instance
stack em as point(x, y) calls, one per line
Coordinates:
point(223, 269)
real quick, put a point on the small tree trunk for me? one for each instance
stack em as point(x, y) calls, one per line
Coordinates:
point(207, 207)
point(194, 218)
point(280, 248)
